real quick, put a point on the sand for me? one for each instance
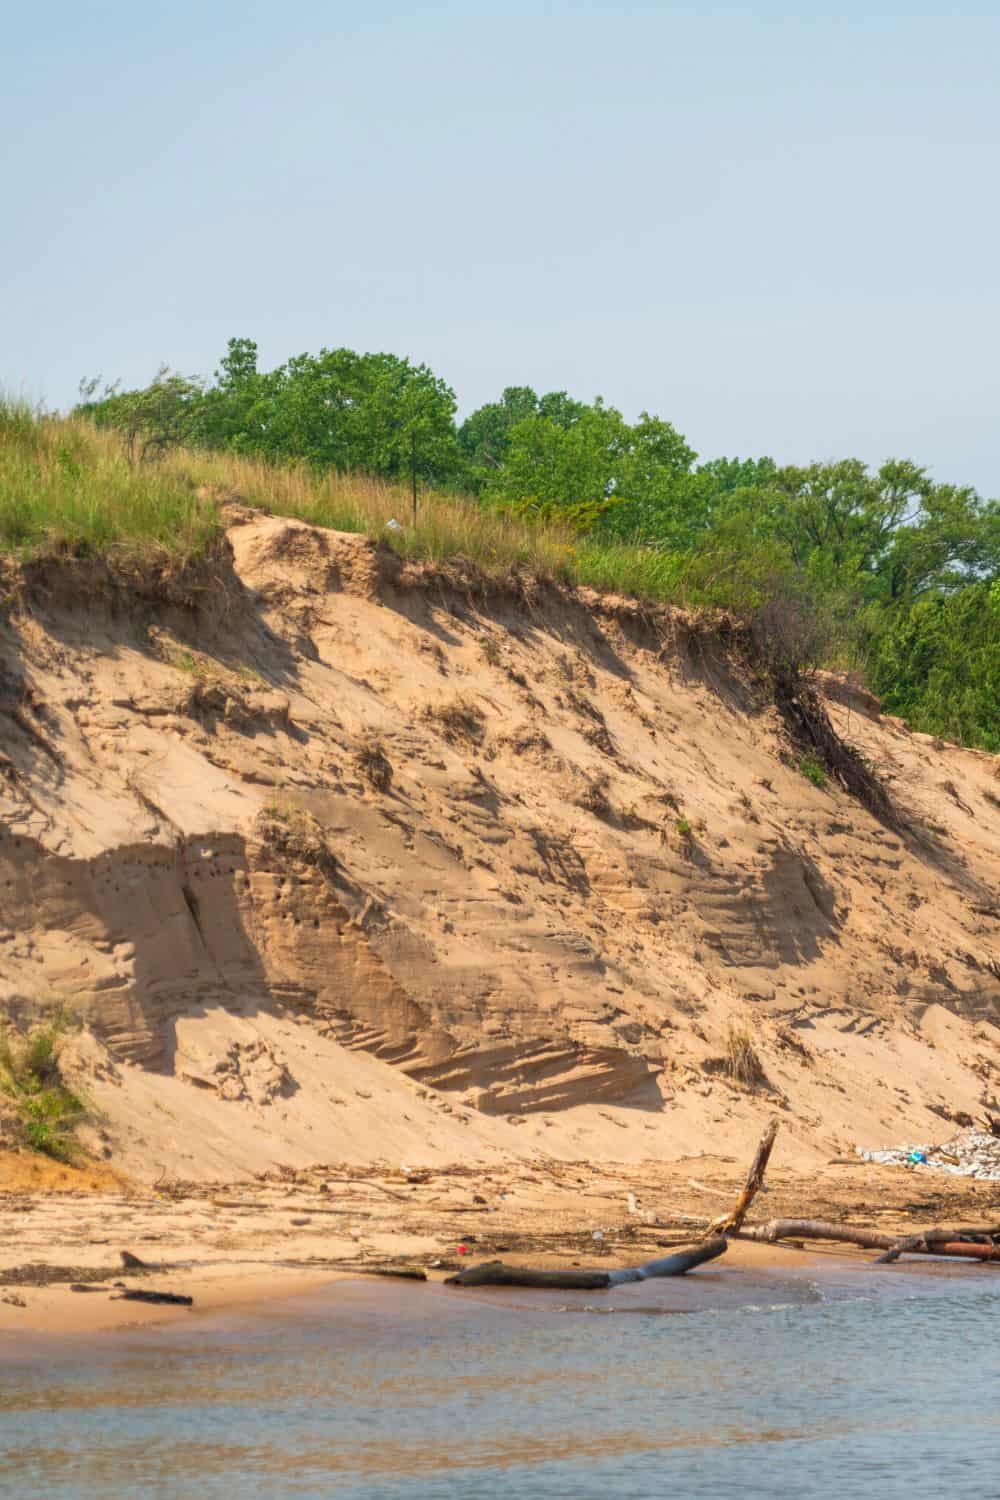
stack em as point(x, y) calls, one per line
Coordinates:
point(249, 1246)
point(344, 860)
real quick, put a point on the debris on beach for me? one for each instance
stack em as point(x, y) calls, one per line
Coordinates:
point(969, 1154)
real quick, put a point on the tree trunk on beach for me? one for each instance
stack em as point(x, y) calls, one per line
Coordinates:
point(495, 1273)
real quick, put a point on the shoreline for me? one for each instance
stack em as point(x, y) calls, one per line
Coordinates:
point(251, 1246)
point(747, 1274)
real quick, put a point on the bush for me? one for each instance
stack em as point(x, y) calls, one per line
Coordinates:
point(47, 1111)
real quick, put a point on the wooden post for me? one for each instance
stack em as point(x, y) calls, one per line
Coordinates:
point(413, 473)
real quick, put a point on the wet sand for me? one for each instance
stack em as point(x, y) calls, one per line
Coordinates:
point(751, 1275)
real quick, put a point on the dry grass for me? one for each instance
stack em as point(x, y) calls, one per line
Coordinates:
point(296, 835)
point(742, 1060)
point(67, 487)
point(448, 526)
point(460, 721)
point(374, 764)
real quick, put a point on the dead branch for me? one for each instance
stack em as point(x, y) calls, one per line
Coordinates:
point(732, 1222)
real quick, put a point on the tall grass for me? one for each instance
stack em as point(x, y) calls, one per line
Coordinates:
point(448, 526)
point(67, 487)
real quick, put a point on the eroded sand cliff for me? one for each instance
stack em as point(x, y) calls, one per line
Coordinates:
point(345, 859)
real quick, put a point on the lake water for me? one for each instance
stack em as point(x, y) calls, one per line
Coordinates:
point(857, 1383)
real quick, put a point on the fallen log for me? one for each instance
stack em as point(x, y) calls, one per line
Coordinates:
point(496, 1273)
point(817, 1229)
point(926, 1242)
point(733, 1221)
point(175, 1299)
point(916, 1244)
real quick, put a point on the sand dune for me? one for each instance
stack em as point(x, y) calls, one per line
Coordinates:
point(341, 858)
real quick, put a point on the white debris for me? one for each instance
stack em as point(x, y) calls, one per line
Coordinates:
point(970, 1154)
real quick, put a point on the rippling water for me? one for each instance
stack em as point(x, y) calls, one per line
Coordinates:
point(881, 1386)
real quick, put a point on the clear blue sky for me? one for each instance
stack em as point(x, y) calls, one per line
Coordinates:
point(776, 225)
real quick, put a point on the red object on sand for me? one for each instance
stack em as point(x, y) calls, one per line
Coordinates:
point(463, 1249)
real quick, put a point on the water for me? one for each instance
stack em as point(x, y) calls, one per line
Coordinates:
point(874, 1384)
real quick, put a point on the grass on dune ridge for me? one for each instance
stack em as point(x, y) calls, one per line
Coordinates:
point(67, 488)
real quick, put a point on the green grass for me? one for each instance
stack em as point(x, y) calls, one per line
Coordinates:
point(814, 770)
point(66, 488)
point(47, 1111)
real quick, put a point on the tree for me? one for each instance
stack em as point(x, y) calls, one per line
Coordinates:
point(336, 409)
point(160, 416)
point(484, 437)
point(593, 470)
point(936, 661)
point(890, 533)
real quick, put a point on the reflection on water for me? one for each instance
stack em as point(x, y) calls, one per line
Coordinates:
point(425, 1393)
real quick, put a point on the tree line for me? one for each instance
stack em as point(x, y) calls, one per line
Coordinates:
point(898, 573)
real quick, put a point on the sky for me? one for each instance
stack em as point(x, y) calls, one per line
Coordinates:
point(774, 225)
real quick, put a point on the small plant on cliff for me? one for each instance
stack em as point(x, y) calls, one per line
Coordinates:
point(685, 835)
point(813, 770)
point(295, 834)
point(47, 1111)
point(374, 764)
point(460, 721)
point(743, 1064)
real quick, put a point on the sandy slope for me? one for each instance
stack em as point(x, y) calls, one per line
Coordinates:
point(508, 953)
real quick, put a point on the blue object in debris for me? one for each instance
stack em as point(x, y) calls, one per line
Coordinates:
point(918, 1156)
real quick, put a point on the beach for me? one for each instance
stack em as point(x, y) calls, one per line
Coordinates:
point(249, 1244)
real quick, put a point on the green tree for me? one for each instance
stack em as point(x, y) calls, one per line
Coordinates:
point(484, 436)
point(160, 416)
point(590, 470)
point(936, 662)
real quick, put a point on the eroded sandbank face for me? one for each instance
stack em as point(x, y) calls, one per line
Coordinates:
point(596, 850)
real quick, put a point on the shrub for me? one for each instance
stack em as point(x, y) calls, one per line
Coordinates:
point(47, 1111)
point(594, 797)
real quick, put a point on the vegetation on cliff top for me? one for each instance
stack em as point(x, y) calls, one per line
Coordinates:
point(888, 570)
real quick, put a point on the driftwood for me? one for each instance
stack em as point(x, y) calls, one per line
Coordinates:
point(732, 1222)
point(927, 1242)
point(969, 1244)
point(495, 1273)
point(174, 1298)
